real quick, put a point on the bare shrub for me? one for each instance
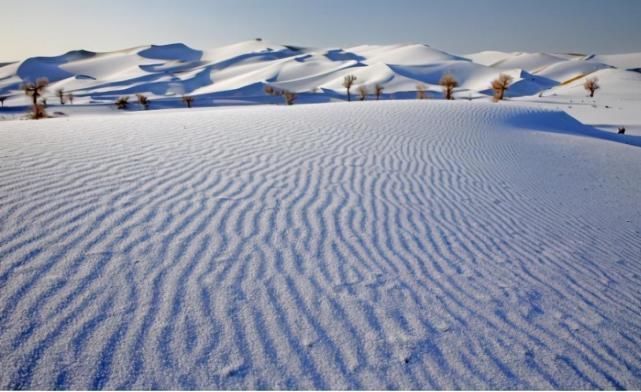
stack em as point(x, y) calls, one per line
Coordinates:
point(60, 93)
point(2, 99)
point(621, 131)
point(35, 91)
point(449, 83)
point(122, 103)
point(70, 98)
point(362, 92)
point(273, 91)
point(348, 81)
point(378, 90)
point(143, 101)
point(188, 100)
point(500, 85)
point(290, 97)
point(591, 85)
point(421, 91)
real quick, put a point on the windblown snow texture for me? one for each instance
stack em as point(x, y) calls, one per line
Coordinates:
point(366, 245)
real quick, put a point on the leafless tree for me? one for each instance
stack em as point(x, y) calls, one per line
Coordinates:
point(591, 85)
point(35, 91)
point(362, 92)
point(2, 99)
point(60, 93)
point(499, 85)
point(143, 101)
point(420, 91)
point(449, 83)
point(122, 103)
point(290, 97)
point(348, 81)
point(378, 90)
point(70, 98)
point(188, 100)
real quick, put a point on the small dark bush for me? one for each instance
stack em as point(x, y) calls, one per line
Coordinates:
point(378, 90)
point(143, 101)
point(122, 103)
point(449, 84)
point(421, 91)
point(500, 85)
point(591, 85)
point(188, 100)
point(362, 92)
point(290, 97)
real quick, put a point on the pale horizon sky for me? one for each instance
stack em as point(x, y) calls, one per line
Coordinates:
point(52, 27)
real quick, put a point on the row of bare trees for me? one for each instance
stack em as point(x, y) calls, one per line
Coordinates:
point(500, 85)
point(448, 82)
point(122, 103)
point(288, 96)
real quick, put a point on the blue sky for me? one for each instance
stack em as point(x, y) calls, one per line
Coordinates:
point(49, 27)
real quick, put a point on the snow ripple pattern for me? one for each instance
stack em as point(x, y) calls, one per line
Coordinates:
point(375, 245)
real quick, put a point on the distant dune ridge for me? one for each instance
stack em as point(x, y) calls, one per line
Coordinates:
point(240, 71)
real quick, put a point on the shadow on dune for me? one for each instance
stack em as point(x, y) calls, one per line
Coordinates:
point(561, 122)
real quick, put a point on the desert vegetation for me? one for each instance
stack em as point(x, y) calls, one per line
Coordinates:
point(421, 91)
point(188, 100)
point(122, 103)
point(272, 91)
point(143, 101)
point(591, 85)
point(60, 93)
point(500, 85)
point(449, 83)
point(378, 90)
point(289, 96)
point(35, 91)
point(269, 90)
point(348, 81)
point(362, 92)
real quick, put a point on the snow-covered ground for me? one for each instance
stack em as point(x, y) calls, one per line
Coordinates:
point(393, 244)
point(237, 75)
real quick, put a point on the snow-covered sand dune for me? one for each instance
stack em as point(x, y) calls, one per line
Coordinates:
point(240, 71)
point(371, 245)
